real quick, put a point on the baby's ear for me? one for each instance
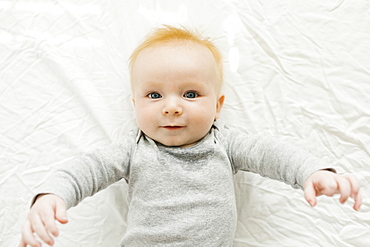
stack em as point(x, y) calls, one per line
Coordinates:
point(219, 104)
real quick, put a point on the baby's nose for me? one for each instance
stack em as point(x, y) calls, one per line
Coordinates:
point(172, 107)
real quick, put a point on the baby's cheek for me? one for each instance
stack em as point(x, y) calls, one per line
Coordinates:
point(143, 118)
point(205, 117)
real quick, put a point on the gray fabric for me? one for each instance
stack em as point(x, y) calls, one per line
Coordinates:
point(180, 196)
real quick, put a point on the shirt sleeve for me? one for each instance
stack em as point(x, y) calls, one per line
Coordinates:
point(271, 158)
point(89, 173)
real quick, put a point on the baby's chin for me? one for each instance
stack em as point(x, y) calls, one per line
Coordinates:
point(182, 140)
point(178, 145)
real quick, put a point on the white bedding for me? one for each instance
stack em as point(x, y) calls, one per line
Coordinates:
point(297, 70)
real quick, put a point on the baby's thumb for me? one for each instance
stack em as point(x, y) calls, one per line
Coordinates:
point(61, 212)
point(310, 193)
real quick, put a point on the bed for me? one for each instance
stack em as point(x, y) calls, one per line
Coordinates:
point(295, 70)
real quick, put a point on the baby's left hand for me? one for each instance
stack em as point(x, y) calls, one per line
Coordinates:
point(328, 183)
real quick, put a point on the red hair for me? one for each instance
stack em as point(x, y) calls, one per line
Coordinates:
point(169, 34)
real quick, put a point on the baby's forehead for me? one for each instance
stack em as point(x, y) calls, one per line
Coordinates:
point(172, 46)
point(154, 58)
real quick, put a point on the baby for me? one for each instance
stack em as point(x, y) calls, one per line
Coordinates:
point(179, 164)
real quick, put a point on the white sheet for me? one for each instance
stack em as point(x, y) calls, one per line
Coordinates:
point(298, 70)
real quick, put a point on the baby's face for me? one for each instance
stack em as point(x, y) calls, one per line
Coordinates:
point(175, 93)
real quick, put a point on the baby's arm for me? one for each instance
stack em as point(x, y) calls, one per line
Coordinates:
point(81, 177)
point(271, 158)
point(41, 220)
point(328, 183)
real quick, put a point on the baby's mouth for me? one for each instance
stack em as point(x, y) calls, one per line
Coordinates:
point(170, 127)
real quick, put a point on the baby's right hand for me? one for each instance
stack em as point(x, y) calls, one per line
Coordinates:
point(41, 220)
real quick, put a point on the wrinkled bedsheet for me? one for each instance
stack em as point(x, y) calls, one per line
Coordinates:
point(296, 70)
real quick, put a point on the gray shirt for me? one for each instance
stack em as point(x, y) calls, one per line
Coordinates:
point(180, 196)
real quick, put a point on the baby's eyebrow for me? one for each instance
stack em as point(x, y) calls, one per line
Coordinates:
point(152, 85)
point(193, 84)
point(156, 85)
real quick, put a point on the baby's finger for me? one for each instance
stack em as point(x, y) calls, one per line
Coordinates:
point(28, 237)
point(38, 227)
point(48, 220)
point(310, 194)
point(355, 192)
point(22, 244)
point(344, 187)
point(358, 202)
point(355, 184)
point(61, 212)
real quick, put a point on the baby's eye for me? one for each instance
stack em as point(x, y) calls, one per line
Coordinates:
point(191, 95)
point(154, 95)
